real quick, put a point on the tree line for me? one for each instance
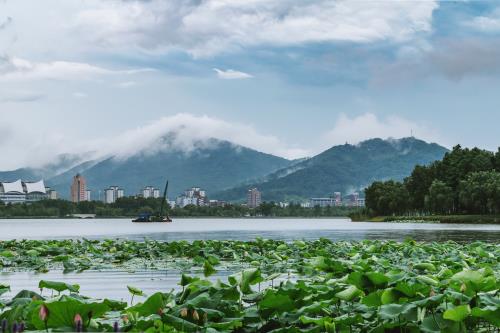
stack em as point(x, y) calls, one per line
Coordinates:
point(132, 206)
point(465, 181)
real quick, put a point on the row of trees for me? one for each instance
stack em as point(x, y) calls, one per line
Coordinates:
point(130, 206)
point(465, 181)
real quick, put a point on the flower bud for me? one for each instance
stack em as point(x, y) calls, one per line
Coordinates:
point(196, 316)
point(77, 319)
point(43, 313)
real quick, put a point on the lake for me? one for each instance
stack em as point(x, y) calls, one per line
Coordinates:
point(243, 229)
point(112, 284)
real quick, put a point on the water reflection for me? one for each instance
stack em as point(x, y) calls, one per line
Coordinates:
point(102, 284)
point(334, 235)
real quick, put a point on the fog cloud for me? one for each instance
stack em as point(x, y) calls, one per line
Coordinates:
point(366, 126)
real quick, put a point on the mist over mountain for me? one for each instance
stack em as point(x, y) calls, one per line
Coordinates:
point(211, 164)
point(345, 168)
point(226, 170)
point(60, 164)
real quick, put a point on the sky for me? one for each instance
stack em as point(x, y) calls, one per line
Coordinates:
point(286, 77)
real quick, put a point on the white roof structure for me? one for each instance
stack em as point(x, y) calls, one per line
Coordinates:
point(38, 187)
point(13, 187)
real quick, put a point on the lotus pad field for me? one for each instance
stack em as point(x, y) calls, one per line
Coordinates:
point(316, 286)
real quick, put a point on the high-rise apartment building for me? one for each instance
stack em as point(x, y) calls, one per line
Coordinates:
point(112, 193)
point(150, 192)
point(78, 189)
point(254, 198)
point(88, 194)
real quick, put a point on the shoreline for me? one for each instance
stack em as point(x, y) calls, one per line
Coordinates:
point(450, 219)
point(175, 217)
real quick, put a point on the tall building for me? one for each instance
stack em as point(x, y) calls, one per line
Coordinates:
point(254, 198)
point(150, 192)
point(112, 193)
point(78, 189)
point(88, 195)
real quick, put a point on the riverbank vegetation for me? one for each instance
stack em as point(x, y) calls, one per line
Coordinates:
point(464, 182)
point(313, 286)
point(130, 206)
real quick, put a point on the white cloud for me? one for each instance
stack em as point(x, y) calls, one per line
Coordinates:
point(366, 126)
point(33, 150)
point(189, 130)
point(185, 130)
point(19, 69)
point(490, 23)
point(205, 28)
point(231, 74)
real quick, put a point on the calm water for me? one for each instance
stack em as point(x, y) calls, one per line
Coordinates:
point(102, 284)
point(112, 284)
point(244, 229)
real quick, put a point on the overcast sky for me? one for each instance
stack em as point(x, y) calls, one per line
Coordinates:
point(288, 77)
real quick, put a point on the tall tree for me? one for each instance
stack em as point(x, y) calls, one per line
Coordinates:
point(479, 193)
point(387, 198)
point(418, 184)
point(440, 198)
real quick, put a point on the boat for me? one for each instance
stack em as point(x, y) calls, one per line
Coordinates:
point(160, 217)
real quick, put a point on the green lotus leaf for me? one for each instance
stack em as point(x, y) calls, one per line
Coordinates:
point(458, 313)
point(349, 294)
point(58, 286)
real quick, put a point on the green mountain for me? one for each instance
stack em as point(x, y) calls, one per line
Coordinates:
point(213, 165)
point(346, 168)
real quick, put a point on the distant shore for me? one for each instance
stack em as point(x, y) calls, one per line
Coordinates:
point(174, 217)
point(458, 219)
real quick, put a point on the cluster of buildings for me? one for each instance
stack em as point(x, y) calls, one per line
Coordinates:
point(197, 197)
point(193, 196)
point(23, 192)
point(80, 192)
point(351, 200)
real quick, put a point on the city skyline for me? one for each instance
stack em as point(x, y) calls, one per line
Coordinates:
point(279, 85)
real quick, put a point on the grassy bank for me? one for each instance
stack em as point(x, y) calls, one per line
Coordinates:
point(472, 219)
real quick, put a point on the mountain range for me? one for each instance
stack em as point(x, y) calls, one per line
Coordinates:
point(345, 168)
point(226, 170)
